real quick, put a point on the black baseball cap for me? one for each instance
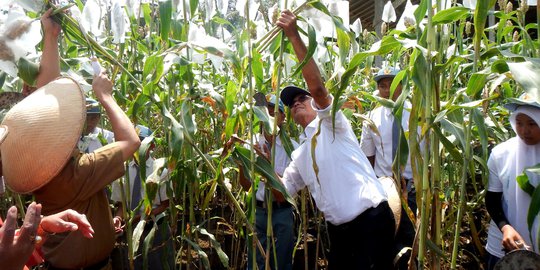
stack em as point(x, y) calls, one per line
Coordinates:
point(290, 92)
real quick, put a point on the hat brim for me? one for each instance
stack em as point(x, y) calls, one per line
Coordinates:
point(394, 200)
point(384, 76)
point(43, 132)
point(514, 103)
point(290, 92)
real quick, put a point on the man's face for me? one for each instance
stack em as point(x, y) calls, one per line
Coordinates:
point(301, 109)
point(384, 88)
point(92, 120)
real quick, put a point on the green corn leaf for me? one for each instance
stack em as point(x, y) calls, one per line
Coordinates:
point(27, 71)
point(165, 14)
point(262, 167)
point(202, 255)
point(217, 246)
point(456, 130)
point(420, 11)
point(534, 208)
point(451, 15)
point(523, 182)
point(527, 74)
point(312, 45)
point(137, 234)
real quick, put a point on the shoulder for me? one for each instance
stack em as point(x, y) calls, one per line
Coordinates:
point(504, 148)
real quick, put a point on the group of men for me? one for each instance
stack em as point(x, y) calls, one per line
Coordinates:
point(346, 189)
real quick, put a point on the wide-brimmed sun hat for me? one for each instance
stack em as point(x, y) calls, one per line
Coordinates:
point(525, 99)
point(387, 72)
point(394, 200)
point(290, 92)
point(43, 131)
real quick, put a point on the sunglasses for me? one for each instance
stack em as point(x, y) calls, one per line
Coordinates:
point(301, 99)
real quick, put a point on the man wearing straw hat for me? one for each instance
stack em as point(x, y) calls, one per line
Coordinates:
point(339, 177)
point(40, 157)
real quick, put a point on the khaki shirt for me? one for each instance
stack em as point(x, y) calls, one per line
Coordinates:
point(81, 186)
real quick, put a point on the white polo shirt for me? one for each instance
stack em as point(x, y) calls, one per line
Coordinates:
point(91, 141)
point(281, 161)
point(116, 194)
point(380, 145)
point(346, 185)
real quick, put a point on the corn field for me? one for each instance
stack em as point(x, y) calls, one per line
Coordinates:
point(189, 71)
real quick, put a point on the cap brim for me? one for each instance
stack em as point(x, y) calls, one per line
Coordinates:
point(380, 77)
point(290, 92)
point(514, 103)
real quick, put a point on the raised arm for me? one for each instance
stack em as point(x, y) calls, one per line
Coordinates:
point(49, 68)
point(310, 71)
point(124, 132)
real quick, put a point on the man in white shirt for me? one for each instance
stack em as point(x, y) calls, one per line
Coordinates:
point(162, 244)
point(336, 171)
point(381, 148)
point(95, 137)
point(282, 212)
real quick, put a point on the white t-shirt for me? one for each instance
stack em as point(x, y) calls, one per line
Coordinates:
point(380, 145)
point(90, 142)
point(346, 185)
point(281, 161)
point(503, 170)
point(116, 194)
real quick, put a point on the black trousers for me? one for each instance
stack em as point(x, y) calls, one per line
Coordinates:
point(366, 242)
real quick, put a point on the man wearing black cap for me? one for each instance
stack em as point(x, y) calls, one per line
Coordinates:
point(345, 188)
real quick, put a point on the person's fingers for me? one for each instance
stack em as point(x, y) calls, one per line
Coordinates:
point(31, 222)
point(9, 226)
point(71, 220)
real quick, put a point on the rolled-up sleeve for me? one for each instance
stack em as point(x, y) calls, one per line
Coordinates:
point(292, 180)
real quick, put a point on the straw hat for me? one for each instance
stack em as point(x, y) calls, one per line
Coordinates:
point(43, 131)
point(393, 198)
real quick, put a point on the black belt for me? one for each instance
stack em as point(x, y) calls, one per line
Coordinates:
point(275, 205)
point(96, 266)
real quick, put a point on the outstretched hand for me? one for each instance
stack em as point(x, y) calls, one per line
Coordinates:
point(287, 21)
point(102, 85)
point(50, 27)
point(15, 251)
point(67, 220)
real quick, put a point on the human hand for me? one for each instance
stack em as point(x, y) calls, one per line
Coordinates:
point(15, 251)
point(287, 21)
point(102, 85)
point(65, 221)
point(118, 226)
point(512, 239)
point(50, 27)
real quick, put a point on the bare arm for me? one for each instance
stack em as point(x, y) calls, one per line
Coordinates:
point(124, 132)
point(310, 71)
point(49, 68)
